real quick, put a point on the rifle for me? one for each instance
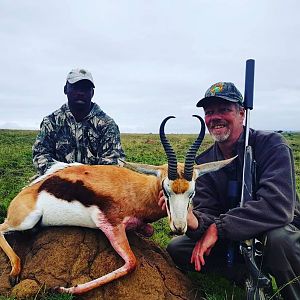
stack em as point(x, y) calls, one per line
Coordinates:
point(258, 285)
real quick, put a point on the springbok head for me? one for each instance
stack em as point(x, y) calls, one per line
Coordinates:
point(178, 179)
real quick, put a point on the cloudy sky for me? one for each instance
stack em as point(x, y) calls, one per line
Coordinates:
point(149, 58)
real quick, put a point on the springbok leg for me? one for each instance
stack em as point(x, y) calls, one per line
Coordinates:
point(119, 241)
point(13, 257)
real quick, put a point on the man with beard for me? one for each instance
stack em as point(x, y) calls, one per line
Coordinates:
point(79, 131)
point(217, 222)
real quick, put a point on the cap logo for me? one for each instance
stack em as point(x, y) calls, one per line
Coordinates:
point(82, 71)
point(216, 88)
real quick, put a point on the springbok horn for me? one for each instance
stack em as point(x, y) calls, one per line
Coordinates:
point(190, 156)
point(171, 156)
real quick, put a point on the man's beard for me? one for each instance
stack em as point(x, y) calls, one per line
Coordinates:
point(221, 137)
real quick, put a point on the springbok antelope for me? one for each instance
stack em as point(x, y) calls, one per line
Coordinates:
point(110, 198)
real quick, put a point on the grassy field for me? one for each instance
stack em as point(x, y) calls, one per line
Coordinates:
point(16, 169)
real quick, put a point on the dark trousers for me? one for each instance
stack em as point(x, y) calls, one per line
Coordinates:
point(281, 258)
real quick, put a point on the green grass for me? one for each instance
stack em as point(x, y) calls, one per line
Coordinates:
point(15, 164)
point(16, 169)
point(214, 287)
point(294, 142)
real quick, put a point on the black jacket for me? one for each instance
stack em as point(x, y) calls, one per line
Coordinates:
point(276, 202)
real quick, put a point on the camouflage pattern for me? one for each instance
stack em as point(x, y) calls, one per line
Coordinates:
point(94, 141)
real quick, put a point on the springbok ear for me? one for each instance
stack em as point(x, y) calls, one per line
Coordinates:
point(212, 166)
point(142, 168)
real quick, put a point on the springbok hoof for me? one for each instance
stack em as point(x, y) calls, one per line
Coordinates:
point(13, 280)
point(61, 290)
point(56, 289)
point(146, 230)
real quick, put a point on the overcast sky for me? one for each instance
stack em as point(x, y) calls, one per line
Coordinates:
point(149, 59)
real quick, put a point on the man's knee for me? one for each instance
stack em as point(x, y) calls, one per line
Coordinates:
point(180, 249)
point(175, 246)
point(280, 245)
point(171, 248)
point(279, 239)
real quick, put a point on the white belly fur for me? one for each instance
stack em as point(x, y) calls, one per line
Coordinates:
point(57, 212)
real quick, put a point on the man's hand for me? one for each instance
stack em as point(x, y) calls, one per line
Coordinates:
point(204, 246)
point(192, 221)
point(162, 201)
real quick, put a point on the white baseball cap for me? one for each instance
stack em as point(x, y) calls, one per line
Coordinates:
point(79, 74)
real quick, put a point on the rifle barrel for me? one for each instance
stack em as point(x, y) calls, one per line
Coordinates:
point(248, 105)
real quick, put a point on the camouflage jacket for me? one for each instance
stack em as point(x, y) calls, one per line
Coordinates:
point(94, 141)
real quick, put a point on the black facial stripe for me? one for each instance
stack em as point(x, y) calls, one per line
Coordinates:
point(167, 195)
point(165, 192)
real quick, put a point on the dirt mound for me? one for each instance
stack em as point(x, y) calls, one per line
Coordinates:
point(64, 256)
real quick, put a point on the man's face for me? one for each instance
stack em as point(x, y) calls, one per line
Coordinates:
point(224, 120)
point(79, 94)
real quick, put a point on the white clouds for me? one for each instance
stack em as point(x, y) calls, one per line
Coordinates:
point(149, 59)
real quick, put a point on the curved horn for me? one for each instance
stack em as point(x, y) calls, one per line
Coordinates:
point(172, 160)
point(190, 156)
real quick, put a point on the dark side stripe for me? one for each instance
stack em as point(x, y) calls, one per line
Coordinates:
point(71, 191)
